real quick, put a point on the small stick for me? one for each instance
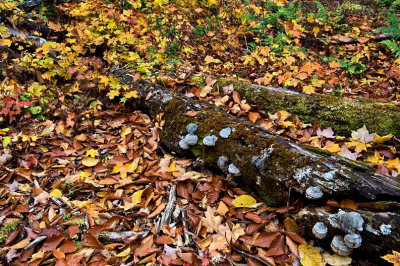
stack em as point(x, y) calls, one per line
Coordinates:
point(165, 219)
point(35, 242)
point(122, 235)
point(251, 256)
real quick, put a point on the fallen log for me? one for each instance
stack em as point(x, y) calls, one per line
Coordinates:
point(277, 169)
point(271, 165)
point(342, 114)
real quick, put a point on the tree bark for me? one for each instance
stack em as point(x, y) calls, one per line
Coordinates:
point(281, 167)
point(342, 114)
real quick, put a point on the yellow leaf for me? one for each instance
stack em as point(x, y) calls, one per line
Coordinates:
point(379, 139)
point(308, 89)
point(332, 147)
point(315, 31)
point(172, 168)
point(92, 153)
point(131, 94)
point(6, 141)
point(244, 201)
point(21, 244)
point(38, 255)
point(310, 256)
point(137, 197)
point(310, 18)
point(376, 159)
point(287, 124)
point(56, 193)
point(336, 260)
point(90, 161)
point(393, 258)
point(125, 131)
point(112, 94)
point(394, 163)
point(84, 174)
point(210, 59)
point(124, 253)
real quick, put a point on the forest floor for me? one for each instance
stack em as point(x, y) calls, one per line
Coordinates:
point(77, 162)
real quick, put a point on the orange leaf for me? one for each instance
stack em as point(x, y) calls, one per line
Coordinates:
point(254, 116)
point(191, 113)
point(21, 244)
point(236, 97)
point(348, 204)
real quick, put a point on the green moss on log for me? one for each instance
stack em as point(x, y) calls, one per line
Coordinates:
point(343, 115)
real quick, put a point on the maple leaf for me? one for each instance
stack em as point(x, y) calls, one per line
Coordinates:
point(332, 147)
point(394, 163)
point(393, 258)
point(211, 222)
point(362, 135)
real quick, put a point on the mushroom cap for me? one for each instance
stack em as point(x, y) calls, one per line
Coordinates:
point(210, 140)
point(233, 169)
point(191, 128)
point(320, 230)
point(314, 193)
point(338, 246)
point(353, 240)
point(191, 139)
point(223, 163)
point(225, 133)
point(183, 145)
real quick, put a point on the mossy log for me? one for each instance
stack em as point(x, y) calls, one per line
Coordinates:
point(342, 114)
point(380, 231)
point(270, 165)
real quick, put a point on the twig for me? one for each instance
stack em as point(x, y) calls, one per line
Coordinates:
point(165, 219)
point(122, 235)
point(35, 242)
point(251, 256)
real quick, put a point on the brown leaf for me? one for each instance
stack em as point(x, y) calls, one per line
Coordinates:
point(254, 217)
point(191, 113)
point(52, 243)
point(21, 244)
point(292, 247)
point(295, 237)
point(68, 246)
point(236, 97)
point(263, 240)
point(348, 204)
point(277, 246)
point(91, 242)
point(58, 254)
point(254, 116)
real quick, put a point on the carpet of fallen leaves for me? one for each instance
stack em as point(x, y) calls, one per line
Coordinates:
point(91, 188)
point(84, 181)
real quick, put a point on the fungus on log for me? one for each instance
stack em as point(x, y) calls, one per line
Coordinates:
point(287, 165)
point(342, 114)
point(367, 235)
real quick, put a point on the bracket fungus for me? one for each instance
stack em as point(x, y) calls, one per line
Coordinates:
point(348, 222)
point(353, 240)
point(191, 139)
point(225, 133)
point(339, 246)
point(320, 230)
point(183, 144)
point(210, 140)
point(232, 169)
point(191, 128)
point(223, 163)
point(314, 193)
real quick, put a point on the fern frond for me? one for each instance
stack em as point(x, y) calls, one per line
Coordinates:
point(393, 47)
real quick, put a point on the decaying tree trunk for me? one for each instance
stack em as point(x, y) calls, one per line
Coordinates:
point(271, 164)
point(276, 168)
point(343, 115)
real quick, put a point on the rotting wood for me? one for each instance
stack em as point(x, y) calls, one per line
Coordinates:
point(166, 217)
point(342, 114)
point(380, 231)
point(280, 166)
